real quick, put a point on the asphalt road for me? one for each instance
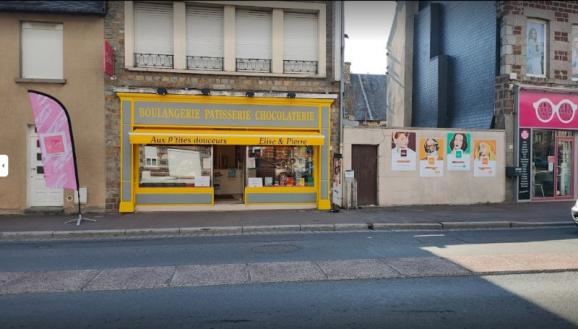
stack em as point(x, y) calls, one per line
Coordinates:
point(539, 300)
point(98, 254)
point(508, 301)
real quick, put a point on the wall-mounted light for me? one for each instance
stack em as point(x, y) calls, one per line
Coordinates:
point(250, 93)
point(162, 91)
point(205, 92)
point(291, 94)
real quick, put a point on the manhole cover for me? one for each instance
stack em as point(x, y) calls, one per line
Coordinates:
point(275, 248)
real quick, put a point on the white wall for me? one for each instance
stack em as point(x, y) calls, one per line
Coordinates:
point(407, 187)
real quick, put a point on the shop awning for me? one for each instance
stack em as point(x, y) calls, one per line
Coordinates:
point(225, 137)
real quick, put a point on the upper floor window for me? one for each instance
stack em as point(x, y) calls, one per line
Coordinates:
point(536, 32)
point(153, 42)
point(42, 51)
point(205, 38)
point(300, 43)
point(254, 40)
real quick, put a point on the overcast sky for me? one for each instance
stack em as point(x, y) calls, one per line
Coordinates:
point(367, 23)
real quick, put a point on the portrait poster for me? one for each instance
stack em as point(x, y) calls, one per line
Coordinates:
point(535, 48)
point(574, 52)
point(484, 158)
point(459, 151)
point(431, 157)
point(403, 154)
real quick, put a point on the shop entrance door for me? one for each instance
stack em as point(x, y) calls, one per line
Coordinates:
point(364, 165)
point(564, 166)
point(229, 173)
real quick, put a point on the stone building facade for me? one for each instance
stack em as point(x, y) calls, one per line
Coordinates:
point(555, 22)
point(227, 83)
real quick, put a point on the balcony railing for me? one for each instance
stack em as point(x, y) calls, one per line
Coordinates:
point(253, 65)
point(295, 66)
point(204, 63)
point(153, 60)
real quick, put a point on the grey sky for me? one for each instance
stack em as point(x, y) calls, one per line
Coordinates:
point(367, 23)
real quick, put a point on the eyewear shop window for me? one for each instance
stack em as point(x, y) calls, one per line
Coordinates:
point(553, 163)
point(192, 166)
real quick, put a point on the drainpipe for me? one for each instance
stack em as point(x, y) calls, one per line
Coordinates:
point(341, 83)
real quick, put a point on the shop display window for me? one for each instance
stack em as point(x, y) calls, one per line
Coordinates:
point(280, 166)
point(175, 166)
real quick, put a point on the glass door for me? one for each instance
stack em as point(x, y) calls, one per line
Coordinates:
point(564, 166)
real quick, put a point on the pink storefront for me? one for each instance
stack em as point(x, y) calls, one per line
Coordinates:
point(547, 124)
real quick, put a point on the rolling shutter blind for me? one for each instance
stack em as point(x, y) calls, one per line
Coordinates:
point(205, 31)
point(42, 52)
point(153, 28)
point(300, 37)
point(254, 34)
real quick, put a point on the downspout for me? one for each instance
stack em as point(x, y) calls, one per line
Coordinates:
point(341, 83)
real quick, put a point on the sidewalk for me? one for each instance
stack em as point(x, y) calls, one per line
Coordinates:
point(243, 222)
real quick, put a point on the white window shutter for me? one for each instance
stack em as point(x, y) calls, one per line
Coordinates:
point(300, 37)
point(153, 28)
point(254, 34)
point(205, 31)
point(42, 51)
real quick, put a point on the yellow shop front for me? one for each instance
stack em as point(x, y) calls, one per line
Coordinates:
point(192, 150)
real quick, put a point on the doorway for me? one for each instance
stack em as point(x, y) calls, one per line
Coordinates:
point(552, 165)
point(364, 165)
point(229, 173)
point(38, 195)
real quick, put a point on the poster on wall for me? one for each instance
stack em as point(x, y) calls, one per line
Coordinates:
point(431, 155)
point(403, 155)
point(459, 151)
point(524, 151)
point(336, 187)
point(535, 48)
point(484, 158)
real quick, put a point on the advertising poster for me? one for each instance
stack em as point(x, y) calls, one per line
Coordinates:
point(459, 151)
point(535, 48)
point(431, 155)
point(403, 155)
point(484, 158)
point(336, 196)
point(524, 151)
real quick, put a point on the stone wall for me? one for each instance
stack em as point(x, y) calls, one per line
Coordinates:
point(115, 35)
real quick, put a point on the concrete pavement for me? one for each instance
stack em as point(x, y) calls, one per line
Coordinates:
point(481, 216)
point(268, 272)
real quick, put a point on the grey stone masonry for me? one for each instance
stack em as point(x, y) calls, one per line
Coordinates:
point(114, 33)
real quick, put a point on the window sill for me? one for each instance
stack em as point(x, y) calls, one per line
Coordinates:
point(49, 81)
point(253, 74)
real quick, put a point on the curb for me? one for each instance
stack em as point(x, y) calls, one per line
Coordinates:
point(264, 229)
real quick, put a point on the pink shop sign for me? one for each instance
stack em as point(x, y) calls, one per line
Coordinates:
point(539, 109)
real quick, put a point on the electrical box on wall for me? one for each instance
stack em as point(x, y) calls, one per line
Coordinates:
point(83, 195)
point(3, 165)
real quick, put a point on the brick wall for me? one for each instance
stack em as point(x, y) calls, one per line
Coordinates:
point(559, 17)
point(114, 34)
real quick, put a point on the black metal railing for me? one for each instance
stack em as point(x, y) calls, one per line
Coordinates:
point(253, 65)
point(205, 63)
point(153, 60)
point(296, 66)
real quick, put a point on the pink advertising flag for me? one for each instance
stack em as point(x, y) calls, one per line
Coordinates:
point(54, 133)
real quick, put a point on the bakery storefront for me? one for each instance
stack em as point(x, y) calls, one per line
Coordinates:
point(547, 125)
point(194, 150)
